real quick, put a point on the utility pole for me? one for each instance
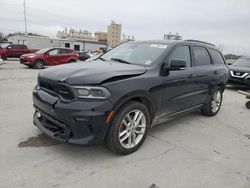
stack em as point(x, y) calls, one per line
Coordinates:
point(25, 21)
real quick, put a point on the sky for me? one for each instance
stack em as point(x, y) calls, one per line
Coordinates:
point(221, 22)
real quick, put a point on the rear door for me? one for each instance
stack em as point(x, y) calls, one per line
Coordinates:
point(204, 72)
point(65, 55)
point(53, 57)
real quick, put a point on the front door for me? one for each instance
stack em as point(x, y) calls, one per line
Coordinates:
point(53, 57)
point(178, 86)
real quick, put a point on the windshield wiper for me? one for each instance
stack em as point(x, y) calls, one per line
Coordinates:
point(120, 60)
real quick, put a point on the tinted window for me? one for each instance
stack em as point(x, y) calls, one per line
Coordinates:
point(65, 51)
point(53, 52)
point(18, 46)
point(216, 57)
point(181, 53)
point(201, 56)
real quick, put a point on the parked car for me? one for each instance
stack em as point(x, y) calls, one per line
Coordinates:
point(240, 71)
point(49, 56)
point(127, 90)
point(230, 61)
point(14, 50)
point(83, 55)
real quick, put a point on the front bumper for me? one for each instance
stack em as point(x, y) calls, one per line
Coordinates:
point(239, 81)
point(26, 61)
point(76, 121)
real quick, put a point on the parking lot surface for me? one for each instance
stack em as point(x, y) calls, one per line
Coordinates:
point(191, 151)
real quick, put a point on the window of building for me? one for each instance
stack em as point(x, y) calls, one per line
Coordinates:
point(201, 56)
point(67, 45)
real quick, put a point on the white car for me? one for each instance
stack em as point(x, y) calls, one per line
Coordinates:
point(1, 61)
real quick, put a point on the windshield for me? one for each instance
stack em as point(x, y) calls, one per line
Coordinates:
point(135, 53)
point(42, 50)
point(4, 45)
point(242, 62)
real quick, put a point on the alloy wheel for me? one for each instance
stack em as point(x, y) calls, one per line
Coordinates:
point(132, 129)
point(216, 102)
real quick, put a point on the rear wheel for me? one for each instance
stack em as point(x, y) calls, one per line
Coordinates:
point(39, 64)
point(72, 61)
point(214, 103)
point(128, 129)
point(248, 104)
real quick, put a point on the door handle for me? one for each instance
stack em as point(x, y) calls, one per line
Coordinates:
point(215, 72)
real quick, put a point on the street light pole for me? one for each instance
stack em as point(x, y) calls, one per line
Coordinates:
point(25, 21)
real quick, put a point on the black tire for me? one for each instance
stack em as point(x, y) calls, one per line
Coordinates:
point(207, 109)
point(38, 64)
point(112, 138)
point(248, 104)
point(72, 61)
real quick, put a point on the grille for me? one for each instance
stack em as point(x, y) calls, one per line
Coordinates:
point(55, 87)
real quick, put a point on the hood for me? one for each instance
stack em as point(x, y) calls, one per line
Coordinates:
point(30, 54)
point(239, 69)
point(91, 72)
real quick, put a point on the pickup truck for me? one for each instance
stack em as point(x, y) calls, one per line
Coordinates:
point(14, 50)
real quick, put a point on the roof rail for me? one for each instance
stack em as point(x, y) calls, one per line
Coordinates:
point(199, 42)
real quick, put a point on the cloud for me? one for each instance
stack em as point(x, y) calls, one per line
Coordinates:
point(220, 22)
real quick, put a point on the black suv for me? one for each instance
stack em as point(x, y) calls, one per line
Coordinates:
point(136, 85)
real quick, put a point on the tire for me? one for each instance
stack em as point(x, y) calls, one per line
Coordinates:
point(38, 64)
point(124, 137)
point(72, 61)
point(213, 105)
point(248, 104)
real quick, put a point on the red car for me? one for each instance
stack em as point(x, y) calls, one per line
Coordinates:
point(49, 56)
point(14, 50)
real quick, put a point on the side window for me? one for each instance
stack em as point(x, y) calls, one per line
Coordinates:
point(216, 57)
point(53, 52)
point(65, 51)
point(181, 53)
point(201, 56)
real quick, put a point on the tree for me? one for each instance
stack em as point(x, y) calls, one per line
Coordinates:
point(2, 37)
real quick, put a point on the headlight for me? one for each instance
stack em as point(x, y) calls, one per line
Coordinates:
point(248, 77)
point(31, 56)
point(91, 92)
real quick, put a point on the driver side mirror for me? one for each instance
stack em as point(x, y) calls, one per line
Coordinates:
point(176, 64)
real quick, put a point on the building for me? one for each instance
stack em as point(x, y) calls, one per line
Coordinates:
point(73, 33)
point(101, 36)
point(114, 34)
point(35, 42)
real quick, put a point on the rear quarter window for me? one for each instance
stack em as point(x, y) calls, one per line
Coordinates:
point(66, 51)
point(216, 57)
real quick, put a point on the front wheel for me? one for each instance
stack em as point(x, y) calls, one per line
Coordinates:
point(128, 129)
point(248, 104)
point(39, 64)
point(214, 103)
